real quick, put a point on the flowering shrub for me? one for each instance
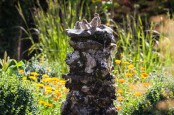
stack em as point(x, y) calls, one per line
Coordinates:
point(131, 84)
point(49, 90)
point(142, 93)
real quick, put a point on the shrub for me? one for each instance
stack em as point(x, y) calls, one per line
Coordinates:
point(157, 101)
point(15, 98)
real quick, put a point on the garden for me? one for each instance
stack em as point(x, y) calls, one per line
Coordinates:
point(34, 45)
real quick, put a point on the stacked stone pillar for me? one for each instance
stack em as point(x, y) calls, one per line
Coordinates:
point(90, 84)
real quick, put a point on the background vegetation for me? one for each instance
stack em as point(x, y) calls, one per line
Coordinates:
point(142, 65)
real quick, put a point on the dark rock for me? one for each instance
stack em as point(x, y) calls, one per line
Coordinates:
point(91, 85)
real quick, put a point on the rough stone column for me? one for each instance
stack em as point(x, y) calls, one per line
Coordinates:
point(91, 85)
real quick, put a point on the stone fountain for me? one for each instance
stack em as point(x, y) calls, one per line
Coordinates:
point(91, 86)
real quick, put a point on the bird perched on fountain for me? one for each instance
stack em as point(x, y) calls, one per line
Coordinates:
point(77, 25)
point(85, 24)
point(95, 21)
point(98, 19)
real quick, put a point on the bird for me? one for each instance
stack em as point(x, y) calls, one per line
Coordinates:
point(77, 25)
point(98, 18)
point(85, 24)
point(94, 22)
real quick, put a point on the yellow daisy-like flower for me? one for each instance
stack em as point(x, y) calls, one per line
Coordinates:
point(33, 78)
point(134, 71)
point(144, 75)
point(55, 79)
point(34, 74)
point(137, 94)
point(121, 80)
point(21, 71)
point(58, 93)
point(65, 90)
point(131, 87)
point(55, 98)
point(128, 75)
point(131, 66)
point(42, 102)
point(39, 85)
point(24, 78)
point(119, 108)
point(48, 87)
point(62, 81)
point(120, 98)
point(48, 104)
point(126, 63)
point(146, 84)
point(117, 61)
point(120, 91)
point(48, 69)
point(46, 80)
point(47, 91)
point(45, 76)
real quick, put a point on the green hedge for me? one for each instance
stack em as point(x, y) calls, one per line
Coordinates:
point(15, 99)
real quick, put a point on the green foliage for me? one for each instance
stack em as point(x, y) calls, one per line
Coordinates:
point(15, 98)
point(37, 67)
point(156, 101)
point(5, 63)
point(136, 44)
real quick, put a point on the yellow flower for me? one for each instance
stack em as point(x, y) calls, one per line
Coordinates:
point(42, 102)
point(33, 78)
point(45, 76)
point(65, 90)
point(47, 91)
point(21, 71)
point(144, 75)
point(121, 80)
point(62, 81)
point(146, 84)
point(34, 74)
point(37, 89)
point(24, 78)
point(131, 66)
point(126, 63)
point(46, 80)
point(131, 86)
point(57, 93)
point(128, 75)
point(120, 91)
point(45, 103)
point(48, 69)
point(39, 85)
point(49, 104)
point(137, 94)
point(119, 108)
point(117, 61)
point(120, 98)
point(55, 79)
point(55, 98)
point(48, 88)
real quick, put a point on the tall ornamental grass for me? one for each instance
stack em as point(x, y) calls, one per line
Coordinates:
point(136, 44)
point(53, 41)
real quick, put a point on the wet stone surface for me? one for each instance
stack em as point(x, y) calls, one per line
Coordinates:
point(91, 85)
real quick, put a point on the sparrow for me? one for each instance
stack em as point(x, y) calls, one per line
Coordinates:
point(77, 25)
point(98, 20)
point(94, 22)
point(85, 24)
